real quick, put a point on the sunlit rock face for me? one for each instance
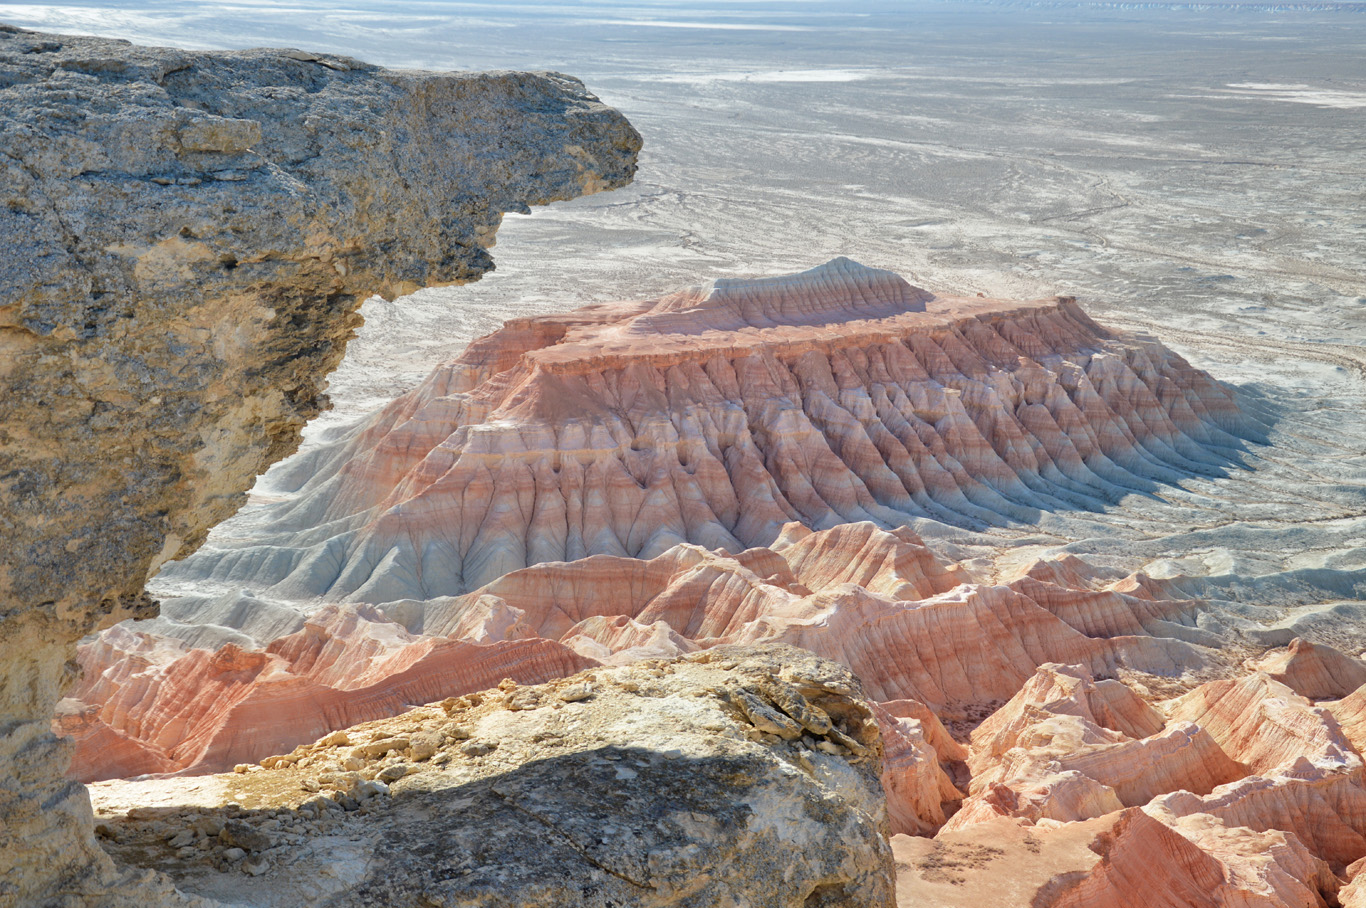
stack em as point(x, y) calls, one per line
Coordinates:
point(660, 784)
point(187, 237)
point(718, 414)
point(1069, 748)
point(1239, 792)
point(935, 643)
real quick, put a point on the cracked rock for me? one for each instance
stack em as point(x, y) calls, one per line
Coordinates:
point(622, 801)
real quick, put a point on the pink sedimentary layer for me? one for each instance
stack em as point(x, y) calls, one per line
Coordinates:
point(931, 641)
point(153, 706)
point(718, 415)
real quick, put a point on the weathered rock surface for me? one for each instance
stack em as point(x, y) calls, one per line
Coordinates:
point(1124, 859)
point(1311, 670)
point(1069, 748)
point(1242, 793)
point(929, 640)
point(719, 414)
point(741, 776)
point(1306, 776)
point(1264, 724)
point(187, 237)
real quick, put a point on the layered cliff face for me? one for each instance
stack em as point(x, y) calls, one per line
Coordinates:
point(717, 415)
point(187, 239)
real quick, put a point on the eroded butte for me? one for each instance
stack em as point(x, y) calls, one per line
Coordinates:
point(717, 415)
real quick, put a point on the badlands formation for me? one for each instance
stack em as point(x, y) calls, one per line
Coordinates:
point(658, 485)
point(728, 597)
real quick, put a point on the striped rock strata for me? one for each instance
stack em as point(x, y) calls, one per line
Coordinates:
point(930, 641)
point(719, 414)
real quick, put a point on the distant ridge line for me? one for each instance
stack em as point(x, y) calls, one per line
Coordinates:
point(1353, 6)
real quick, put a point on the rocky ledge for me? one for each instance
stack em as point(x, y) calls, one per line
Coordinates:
point(739, 776)
point(187, 237)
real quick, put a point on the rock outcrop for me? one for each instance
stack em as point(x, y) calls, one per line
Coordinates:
point(929, 640)
point(739, 776)
point(1311, 670)
point(1069, 748)
point(187, 237)
point(719, 414)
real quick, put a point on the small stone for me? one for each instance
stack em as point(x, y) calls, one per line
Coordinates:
point(256, 866)
point(310, 785)
point(477, 748)
point(369, 789)
point(336, 739)
point(576, 692)
point(317, 803)
point(353, 763)
point(234, 854)
point(342, 781)
point(209, 826)
point(522, 699)
point(181, 839)
point(376, 749)
point(424, 746)
point(391, 774)
point(244, 835)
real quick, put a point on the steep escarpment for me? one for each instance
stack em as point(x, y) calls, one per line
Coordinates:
point(715, 416)
point(187, 239)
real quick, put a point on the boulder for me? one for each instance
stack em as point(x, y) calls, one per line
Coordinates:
point(659, 790)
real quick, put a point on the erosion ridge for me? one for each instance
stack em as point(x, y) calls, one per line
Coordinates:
point(863, 596)
point(563, 437)
point(188, 237)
